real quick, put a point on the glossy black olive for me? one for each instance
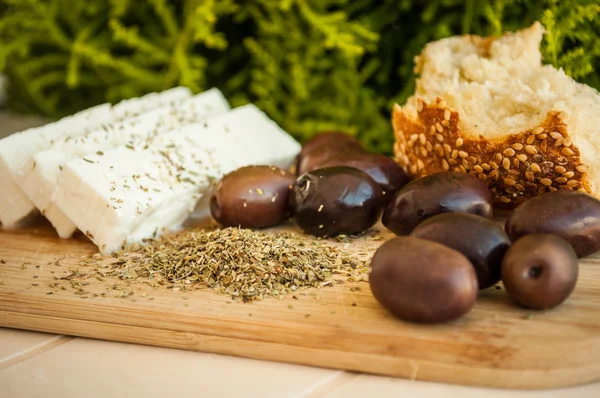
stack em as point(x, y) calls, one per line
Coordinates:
point(481, 240)
point(573, 216)
point(445, 192)
point(384, 170)
point(336, 200)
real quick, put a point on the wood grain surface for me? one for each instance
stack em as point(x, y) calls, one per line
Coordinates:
point(339, 326)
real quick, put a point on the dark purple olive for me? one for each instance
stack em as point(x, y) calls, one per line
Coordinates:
point(322, 146)
point(540, 271)
point(334, 201)
point(252, 197)
point(384, 170)
point(481, 240)
point(328, 138)
point(446, 192)
point(422, 281)
point(573, 216)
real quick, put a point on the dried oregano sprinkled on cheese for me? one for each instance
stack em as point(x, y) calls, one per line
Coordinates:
point(239, 262)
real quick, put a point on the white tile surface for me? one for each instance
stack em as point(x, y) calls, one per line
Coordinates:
point(89, 368)
point(16, 342)
point(374, 386)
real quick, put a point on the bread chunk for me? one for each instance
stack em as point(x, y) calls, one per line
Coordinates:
point(488, 107)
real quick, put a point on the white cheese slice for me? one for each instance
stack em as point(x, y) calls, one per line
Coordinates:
point(40, 184)
point(17, 150)
point(135, 106)
point(127, 195)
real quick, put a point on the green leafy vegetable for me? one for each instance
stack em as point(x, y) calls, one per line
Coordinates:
point(310, 64)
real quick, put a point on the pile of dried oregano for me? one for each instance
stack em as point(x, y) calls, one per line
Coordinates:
point(245, 264)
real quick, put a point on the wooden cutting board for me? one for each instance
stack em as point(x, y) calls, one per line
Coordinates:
point(340, 327)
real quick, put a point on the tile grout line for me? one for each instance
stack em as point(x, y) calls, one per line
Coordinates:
point(327, 385)
point(34, 351)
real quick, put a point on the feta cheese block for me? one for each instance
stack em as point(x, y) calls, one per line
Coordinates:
point(17, 150)
point(130, 194)
point(135, 106)
point(40, 184)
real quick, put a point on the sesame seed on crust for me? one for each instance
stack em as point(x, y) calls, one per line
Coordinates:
point(515, 167)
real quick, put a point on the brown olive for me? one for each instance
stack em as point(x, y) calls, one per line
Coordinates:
point(573, 216)
point(384, 170)
point(540, 271)
point(446, 192)
point(422, 281)
point(252, 197)
point(328, 138)
point(339, 149)
point(481, 240)
point(321, 147)
point(337, 200)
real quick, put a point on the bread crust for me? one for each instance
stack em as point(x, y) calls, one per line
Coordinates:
point(515, 166)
